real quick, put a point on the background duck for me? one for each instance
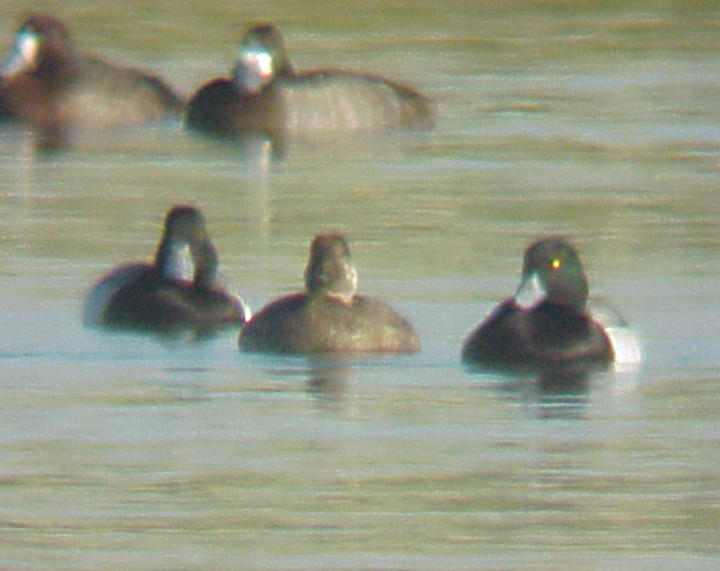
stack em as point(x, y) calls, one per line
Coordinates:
point(156, 297)
point(266, 96)
point(547, 322)
point(53, 88)
point(329, 316)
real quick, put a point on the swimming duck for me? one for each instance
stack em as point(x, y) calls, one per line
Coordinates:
point(53, 88)
point(156, 296)
point(266, 96)
point(329, 316)
point(547, 322)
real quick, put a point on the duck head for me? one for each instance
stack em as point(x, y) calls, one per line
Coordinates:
point(184, 230)
point(261, 58)
point(42, 47)
point(329, 271)
point(552, 272)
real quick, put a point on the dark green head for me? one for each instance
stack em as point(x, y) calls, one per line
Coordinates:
point(185, 223)
point(185, 230)
point(552, 271)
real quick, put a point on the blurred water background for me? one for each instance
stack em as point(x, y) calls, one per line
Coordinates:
point(596, 120)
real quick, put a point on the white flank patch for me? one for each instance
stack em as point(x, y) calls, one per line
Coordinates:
point(102, 292)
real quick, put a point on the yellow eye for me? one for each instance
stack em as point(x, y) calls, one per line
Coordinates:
point(555, 263)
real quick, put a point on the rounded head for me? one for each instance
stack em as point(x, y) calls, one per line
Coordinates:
point(42, 45)
point(184, 231)
point(185, 224)
point(552, 270)
point(329, 270)
point(160, 297)
point(261, 58)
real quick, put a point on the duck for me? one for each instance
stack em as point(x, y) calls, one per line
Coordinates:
point(329, 316)
point(47, 84)
point(266, 96)
point(157, 296)
point(548, 322)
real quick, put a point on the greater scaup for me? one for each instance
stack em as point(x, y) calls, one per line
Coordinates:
point(53, 88)
point(266, 96)
point(157, 297)
point(547, 322)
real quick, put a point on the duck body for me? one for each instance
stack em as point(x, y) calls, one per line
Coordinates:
point(329, 317)
point(52, 88)
point(312, 105)
point(99, 96)
point(547, 335)
point(156, 297)
point(219, 109)
point(301, 324)
point(138, 297)
point(265, 95)
point(547, 323)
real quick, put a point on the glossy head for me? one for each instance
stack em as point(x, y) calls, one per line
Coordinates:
point(261, 58)
point(329, 271)
point(184, 230)
point(185, 224)
point(552, 272)
point(42, 47)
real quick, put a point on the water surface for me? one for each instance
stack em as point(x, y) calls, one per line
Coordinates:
point(594, 120)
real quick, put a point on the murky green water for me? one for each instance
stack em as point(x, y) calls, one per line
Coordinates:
point(598, 120)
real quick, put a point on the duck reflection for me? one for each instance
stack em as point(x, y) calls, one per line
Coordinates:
point(563, 392)
point(328, 383)
point(559, 391)
point(550, 392)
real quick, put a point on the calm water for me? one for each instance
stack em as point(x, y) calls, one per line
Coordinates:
point(592, 119)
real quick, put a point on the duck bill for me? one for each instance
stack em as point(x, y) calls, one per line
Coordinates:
point(531, 292)
point(23, 55)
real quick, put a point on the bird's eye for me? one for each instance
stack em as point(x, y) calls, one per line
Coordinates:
point(555, 264)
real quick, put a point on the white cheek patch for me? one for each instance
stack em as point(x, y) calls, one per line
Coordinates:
point(24, 54)
point(530, 293)
point(254, 70)
point(261, 62)
point(27, 43)
point(180, 265)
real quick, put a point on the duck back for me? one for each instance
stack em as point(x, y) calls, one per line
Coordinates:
point(547, 335)
point(333, 102)
point(301, 324)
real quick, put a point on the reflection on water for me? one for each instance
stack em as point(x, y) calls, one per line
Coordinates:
point(328, 383)
point(561, 392)
point(593, 120)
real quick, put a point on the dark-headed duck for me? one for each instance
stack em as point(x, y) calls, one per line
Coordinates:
point(157, 297)
point(266, 96)
point(547, 323)
point(329, 316)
